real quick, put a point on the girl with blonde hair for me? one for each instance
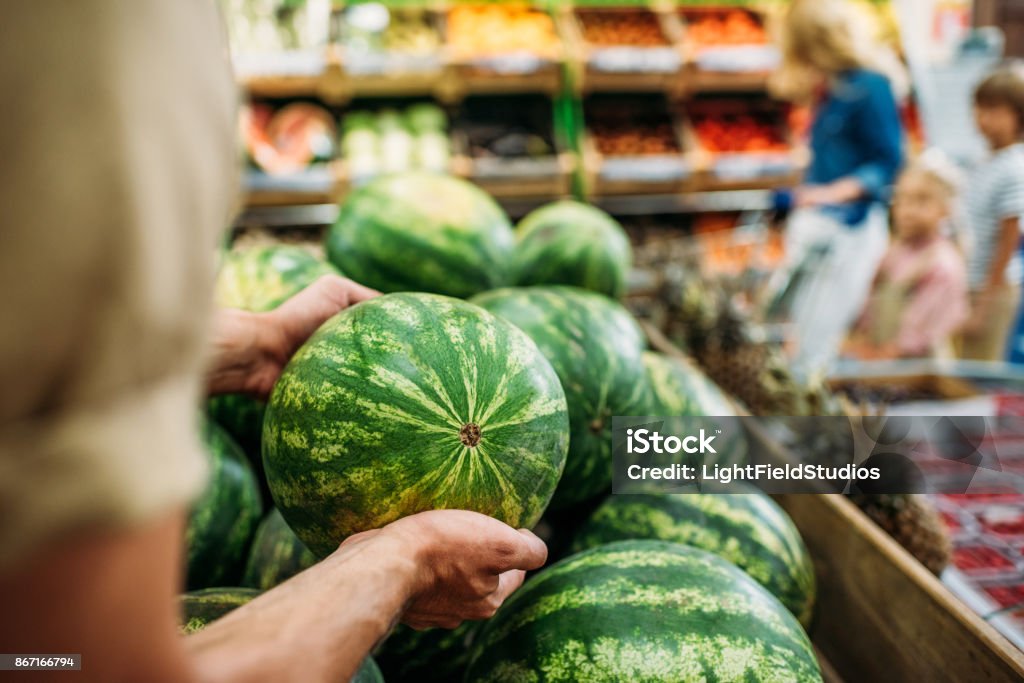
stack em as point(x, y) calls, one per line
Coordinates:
point(919, 294)
point(838, 221)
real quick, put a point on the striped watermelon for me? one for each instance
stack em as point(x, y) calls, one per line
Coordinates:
point(748, 529)
point(412, 402)
point(642, 611)
point(369, 672)
point(277, 554)
point(435, 655)
point(261, 278)
point(569, 243)
point(595, 347)
point(679, 388)
point(422, 232)
point(224, 518)
point(200, 608)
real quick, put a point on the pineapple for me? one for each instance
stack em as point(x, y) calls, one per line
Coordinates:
point(913, 522)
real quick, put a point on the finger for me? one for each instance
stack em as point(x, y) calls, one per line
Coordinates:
point(518, 549)
point(359, 538)
point(425, 623)
point(534, 552)
point(358, 292)
point(508, 583)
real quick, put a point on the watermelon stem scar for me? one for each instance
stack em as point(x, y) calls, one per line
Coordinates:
point(470, 434)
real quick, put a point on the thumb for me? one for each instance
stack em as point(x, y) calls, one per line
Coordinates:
point(301, 315)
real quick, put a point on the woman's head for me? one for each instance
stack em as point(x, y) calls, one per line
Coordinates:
point(821, 38)
point(924, 197)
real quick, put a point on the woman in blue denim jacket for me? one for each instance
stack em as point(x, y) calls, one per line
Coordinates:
point(838, 228)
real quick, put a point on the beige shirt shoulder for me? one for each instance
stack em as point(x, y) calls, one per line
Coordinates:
point(118, 172)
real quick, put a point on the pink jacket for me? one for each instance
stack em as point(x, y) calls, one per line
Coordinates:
point(930, 281)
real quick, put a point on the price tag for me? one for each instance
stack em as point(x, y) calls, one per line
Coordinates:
point(375, 63)
point(748, 166)
point(314, 180)
point(514, 169)
point(285, 63)
point(645, 169)
point(513, 63)
point(739, 58)
point(625, 59)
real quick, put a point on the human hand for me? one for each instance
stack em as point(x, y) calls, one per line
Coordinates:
point(288, 326)
point(251, 349)
point(838, 192)
point(979, 316)
point(466, 563)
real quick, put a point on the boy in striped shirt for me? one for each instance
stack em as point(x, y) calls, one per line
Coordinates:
point(995, 203)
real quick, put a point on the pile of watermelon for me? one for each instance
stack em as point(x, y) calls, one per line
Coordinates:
point(486, 378)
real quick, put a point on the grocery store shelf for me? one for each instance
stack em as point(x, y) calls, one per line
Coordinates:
point(688, 202)
point(313, 215)
point(316, 215)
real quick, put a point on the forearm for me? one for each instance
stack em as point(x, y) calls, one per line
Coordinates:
point(847, 189)
point(292, 633)
point(1009, 237)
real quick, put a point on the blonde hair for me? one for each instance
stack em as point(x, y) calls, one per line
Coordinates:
point(933, 165)
point(829, 36)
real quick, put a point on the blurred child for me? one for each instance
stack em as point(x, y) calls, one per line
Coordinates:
point(995, 202)
point(919, 295)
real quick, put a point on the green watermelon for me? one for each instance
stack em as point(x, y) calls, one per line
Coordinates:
point(209, 604)
point(422, 232)
point(259, 279)
point(435, 655)
point(369, 672)
point(224, 518)
point(595, 347)
point(642, 611)
point(262, 278)
point(200, 608)
point(569, 243)
point(241, 416)
point(748, 529)
point(277, 554)
point(679, 388)
point(412, 402)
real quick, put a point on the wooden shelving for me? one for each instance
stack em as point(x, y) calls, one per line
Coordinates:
point(576, 70)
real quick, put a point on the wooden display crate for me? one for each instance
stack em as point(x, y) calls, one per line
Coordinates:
point(306, 73)
point(623, 68)
point(323, 184)
point(636, 174)
point(941, 387)
point(388, 73)
point(880, 615)
point(510, 73)
point(758, 56)
point(548, 176)
point(730, 170)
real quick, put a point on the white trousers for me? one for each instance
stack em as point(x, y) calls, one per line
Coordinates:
point(839, 280)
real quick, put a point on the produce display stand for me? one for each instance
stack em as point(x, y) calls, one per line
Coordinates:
point(336, 75)
point(982, 508)
point(623, 68)
point(881, 616)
